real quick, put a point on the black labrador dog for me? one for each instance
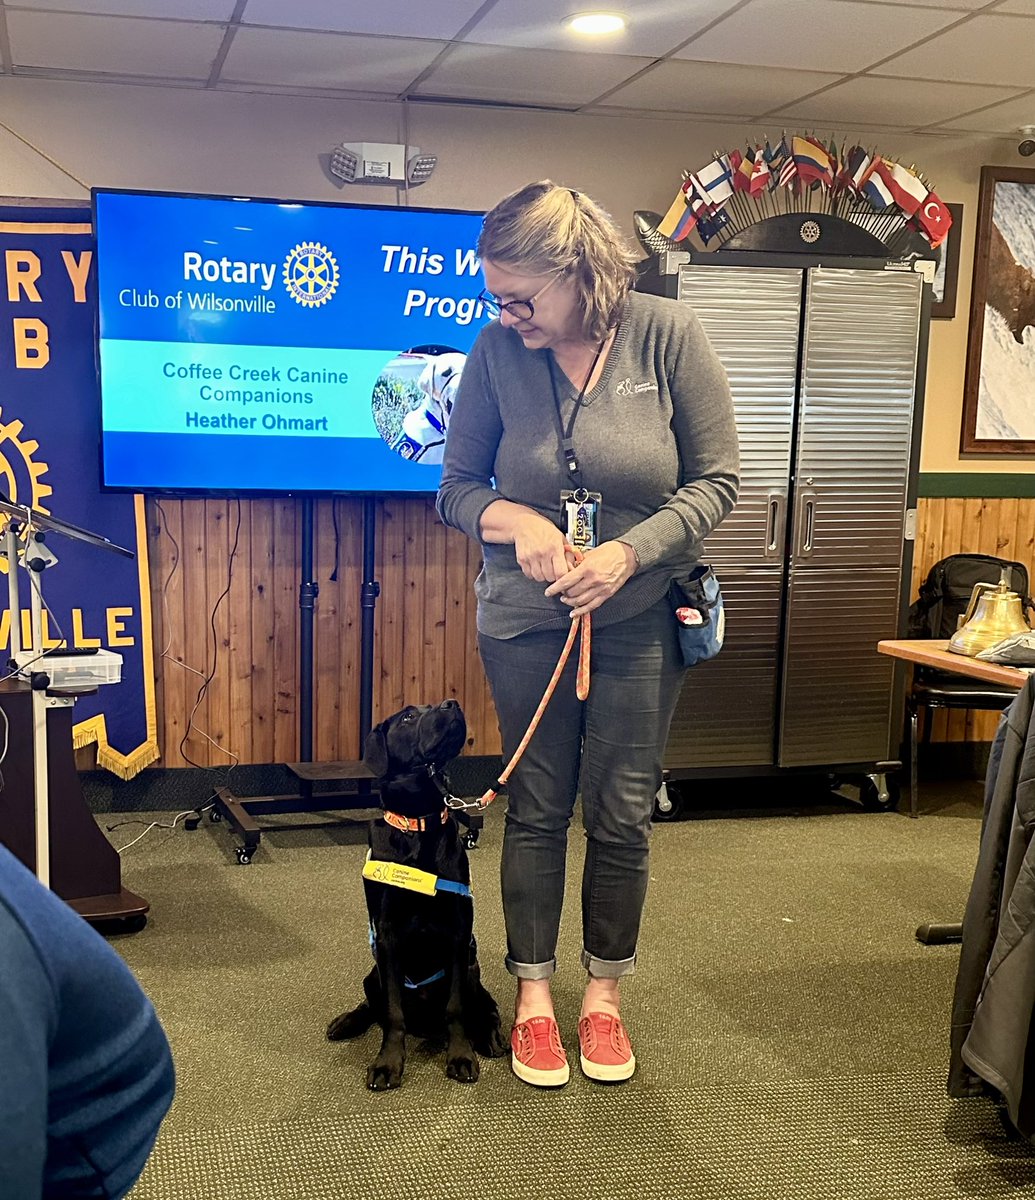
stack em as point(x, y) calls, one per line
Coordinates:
point(425, 981)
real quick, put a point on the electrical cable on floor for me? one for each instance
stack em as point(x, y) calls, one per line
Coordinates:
point(189, 812)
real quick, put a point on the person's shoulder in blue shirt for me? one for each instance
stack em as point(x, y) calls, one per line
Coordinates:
point(86, 1075)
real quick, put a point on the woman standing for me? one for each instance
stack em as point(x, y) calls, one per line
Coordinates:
point(588, 402)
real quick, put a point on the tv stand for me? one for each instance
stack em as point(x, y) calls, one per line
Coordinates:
point(359, 793)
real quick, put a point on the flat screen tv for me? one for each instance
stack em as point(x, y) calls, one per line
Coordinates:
point(258, 346)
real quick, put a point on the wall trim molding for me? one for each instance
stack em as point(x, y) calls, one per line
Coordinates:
point(968, 485)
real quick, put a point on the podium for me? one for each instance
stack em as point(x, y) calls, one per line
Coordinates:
point(85, 869)
point(44, 818)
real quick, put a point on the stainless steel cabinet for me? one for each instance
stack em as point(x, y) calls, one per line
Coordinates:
point(823, 365)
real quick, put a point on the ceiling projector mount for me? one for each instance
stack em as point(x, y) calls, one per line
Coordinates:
point(381, 162)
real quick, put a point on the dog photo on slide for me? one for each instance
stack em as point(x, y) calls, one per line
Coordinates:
point(425, 981)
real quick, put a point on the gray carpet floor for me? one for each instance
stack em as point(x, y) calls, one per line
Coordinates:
point(791, 1032)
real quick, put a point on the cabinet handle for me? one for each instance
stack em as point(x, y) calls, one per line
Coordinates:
point(774, 524)
point(808, 525)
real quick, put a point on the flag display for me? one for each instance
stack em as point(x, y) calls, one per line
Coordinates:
point(801, 174)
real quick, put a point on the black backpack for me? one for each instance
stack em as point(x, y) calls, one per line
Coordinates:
point(945, 593)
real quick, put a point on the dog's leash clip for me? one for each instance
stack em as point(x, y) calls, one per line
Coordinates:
point(459, 804)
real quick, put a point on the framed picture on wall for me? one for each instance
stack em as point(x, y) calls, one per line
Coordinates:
point(999, 390)
point(947, 274)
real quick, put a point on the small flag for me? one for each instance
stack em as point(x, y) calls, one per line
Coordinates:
point(857, 168)
point(710, 224)
point(789, 172)
point(812, 160)
point(716, 183)
point(777, 161)
point(907, 189)
point(761, 174)
point(876, 187)
point(670, 221)
point(934, 220)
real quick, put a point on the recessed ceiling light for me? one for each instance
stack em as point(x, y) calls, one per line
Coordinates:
point(596, 22)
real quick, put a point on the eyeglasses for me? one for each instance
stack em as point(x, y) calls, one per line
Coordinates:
point(521, 310)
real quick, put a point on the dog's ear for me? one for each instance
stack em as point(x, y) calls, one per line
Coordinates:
point(375, 752)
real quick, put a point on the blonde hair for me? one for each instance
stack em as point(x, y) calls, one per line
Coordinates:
point(545, 229)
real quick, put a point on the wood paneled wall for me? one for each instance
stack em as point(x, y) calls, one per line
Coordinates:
point(425, 647)
point(1004, 527)
point(424, 643)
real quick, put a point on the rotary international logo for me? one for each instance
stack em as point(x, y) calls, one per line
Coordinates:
point(311, 274)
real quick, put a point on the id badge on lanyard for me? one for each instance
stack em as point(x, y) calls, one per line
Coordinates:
point(580, 512)
point(580, 508)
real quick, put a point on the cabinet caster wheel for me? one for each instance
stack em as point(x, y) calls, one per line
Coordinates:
point(878, 793)
point(470, 839)
point(244, 855)
point(214, 815)
point(668, 803)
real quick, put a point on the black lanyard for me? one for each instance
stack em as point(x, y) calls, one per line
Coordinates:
point(567, 445)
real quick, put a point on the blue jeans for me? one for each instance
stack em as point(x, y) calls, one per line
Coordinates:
point(610, 748)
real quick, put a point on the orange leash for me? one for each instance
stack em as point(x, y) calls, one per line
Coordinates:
point(578, 624)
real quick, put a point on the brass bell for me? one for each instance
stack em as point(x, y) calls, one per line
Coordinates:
point(993, 613)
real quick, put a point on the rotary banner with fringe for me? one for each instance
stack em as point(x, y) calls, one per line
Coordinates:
point(49, 459)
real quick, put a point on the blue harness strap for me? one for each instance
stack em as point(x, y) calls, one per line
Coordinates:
point(397, 875)
point(451, 885)
point(407, 982)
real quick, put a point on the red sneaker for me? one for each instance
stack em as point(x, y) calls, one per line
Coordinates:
point(605, 1051)
point(537, 1055)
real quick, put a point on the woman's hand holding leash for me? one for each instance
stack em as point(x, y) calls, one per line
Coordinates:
point(596, 578)
point(538, 543)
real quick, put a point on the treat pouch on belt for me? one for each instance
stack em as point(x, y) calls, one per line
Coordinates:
point(697, 606)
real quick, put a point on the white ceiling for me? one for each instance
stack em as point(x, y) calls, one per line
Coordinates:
point(936, 66)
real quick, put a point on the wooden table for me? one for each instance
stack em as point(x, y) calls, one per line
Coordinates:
point(930, 652)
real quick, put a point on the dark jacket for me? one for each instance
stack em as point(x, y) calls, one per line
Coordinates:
point(85, 1070)
point(994, 1003)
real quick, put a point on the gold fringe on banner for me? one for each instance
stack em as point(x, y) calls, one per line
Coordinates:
point(86, 733)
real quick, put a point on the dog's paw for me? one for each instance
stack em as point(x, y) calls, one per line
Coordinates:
point(350, 1024)
point(493, 1044)
point(384, 1074)
point(463, 1067)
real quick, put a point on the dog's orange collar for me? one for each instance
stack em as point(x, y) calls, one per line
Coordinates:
point(413, 824)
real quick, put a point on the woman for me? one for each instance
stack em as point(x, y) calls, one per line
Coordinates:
point(581, 384)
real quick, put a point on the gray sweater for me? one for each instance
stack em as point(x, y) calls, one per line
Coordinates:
point(656, 437)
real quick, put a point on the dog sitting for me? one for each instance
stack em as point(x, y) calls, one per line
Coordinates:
point(426, 981)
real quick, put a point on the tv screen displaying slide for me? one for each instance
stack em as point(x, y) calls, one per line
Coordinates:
point(259, 346)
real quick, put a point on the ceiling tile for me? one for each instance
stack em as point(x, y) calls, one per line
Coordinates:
point(1025, 7)
point(119, 45)
point(545, 77)
point(182, 10)
point(654, 26)
point(905, 103)
point(815, 37)
point(615, 113)
point(431, 19)
point(963, 6)
point(988, 49)
point(677, 86)
point(327, 60)
point(1001, 118)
